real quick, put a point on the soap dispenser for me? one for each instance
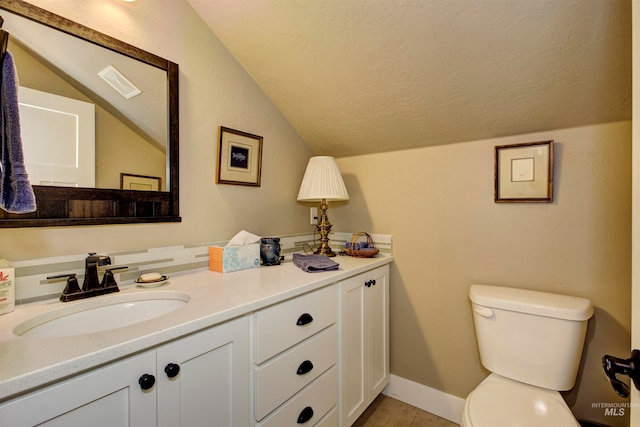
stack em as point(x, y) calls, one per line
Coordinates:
point(7, 286)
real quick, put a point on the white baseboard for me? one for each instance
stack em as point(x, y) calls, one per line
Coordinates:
point(426, 398)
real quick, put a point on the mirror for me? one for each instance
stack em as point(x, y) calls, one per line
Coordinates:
point(134, 174)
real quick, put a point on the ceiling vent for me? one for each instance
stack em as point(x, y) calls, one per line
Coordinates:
point(119, 82)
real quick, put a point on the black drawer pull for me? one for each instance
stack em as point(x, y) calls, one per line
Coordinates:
point(305, 367)
point(304, 319)
point(305, 415)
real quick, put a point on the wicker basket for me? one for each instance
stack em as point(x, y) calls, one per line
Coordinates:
point(355, 246)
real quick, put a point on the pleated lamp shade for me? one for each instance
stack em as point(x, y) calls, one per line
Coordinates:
point(322, 180)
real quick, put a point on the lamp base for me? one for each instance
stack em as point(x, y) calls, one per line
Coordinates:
point(324, 228)
point(328, 252)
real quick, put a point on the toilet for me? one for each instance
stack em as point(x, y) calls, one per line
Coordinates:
point(532, 343)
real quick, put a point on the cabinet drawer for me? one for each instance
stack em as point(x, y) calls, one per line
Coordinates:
point(320, 396)
point(329, 420)
point(279, 379)
point(277, 327)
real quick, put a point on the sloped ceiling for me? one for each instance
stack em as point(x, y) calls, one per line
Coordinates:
point(364, 76)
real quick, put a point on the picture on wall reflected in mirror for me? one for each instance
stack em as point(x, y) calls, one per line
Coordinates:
point(139, 182)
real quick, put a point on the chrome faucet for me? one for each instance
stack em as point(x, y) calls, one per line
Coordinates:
point(91, 286)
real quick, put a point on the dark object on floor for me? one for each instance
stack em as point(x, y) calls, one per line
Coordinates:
point(584, 423)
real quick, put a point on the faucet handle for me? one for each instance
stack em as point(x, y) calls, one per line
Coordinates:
point(108, 280)
point(71, 288)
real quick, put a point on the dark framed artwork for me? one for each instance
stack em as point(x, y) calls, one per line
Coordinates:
point(524, 172)
point(239, 158)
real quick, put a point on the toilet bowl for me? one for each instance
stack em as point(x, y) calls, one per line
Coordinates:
point(531, 342)
point(501, 402)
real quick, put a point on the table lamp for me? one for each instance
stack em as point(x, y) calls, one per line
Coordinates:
point(322, 182)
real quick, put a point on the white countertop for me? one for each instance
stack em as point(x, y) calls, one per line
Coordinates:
point(29, 363)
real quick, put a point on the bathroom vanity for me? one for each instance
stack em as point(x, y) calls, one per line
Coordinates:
point(270, 346)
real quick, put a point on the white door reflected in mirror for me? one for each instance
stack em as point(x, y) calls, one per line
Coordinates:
point(58, 139)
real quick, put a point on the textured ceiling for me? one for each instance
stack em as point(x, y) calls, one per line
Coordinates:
point(365, 76)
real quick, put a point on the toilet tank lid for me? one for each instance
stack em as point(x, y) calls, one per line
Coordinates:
point(532, 302)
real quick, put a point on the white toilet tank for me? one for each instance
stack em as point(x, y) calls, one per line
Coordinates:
point(530, 336)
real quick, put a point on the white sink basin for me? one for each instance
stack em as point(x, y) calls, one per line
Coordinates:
point(102, 313)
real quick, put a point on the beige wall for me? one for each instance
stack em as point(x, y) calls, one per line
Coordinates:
point(449, 233)
point(214, 90)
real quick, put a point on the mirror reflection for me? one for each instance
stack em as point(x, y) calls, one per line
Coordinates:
point(90, 117)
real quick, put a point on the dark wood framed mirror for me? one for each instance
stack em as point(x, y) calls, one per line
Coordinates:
point(61, 205)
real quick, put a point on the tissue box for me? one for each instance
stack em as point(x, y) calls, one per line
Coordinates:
point(225, 259)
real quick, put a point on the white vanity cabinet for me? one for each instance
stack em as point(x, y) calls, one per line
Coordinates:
point(295, 373)
point(299, 350)
point(211, 387)
point(364, 341)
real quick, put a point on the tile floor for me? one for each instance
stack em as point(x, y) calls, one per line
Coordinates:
point(388, 412)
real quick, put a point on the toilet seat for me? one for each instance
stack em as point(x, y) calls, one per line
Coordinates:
point(501, 402)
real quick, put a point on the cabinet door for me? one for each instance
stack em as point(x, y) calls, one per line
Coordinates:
point(106, 397)
point(212, 385)
point(378, 331)
point(364, 341)
point(352, 366)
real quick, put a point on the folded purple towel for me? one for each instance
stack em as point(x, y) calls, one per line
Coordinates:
point(314, 263)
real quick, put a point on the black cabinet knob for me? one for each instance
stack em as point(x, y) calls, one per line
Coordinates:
point(304, 319)
point(172, 370)
point(305, 367)
point(146, 381)
point(305, 415)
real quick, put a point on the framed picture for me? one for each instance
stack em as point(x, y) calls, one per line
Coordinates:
point(130, 181)
point(239, 158)
point(524, 172)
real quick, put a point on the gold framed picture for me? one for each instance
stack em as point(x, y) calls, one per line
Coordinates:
point(129, 181)
point(239, 158)
point(524, 172)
